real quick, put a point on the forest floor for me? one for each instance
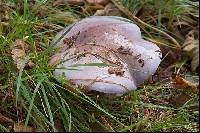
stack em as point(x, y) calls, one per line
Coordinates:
point(32, 100)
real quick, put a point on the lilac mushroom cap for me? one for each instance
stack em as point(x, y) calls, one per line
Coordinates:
point(109, 40)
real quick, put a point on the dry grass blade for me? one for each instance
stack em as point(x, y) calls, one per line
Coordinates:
point(134, 18)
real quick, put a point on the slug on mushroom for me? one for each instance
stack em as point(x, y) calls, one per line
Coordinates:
point(105, 40)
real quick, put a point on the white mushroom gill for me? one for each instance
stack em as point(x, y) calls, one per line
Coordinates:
point(109, 40)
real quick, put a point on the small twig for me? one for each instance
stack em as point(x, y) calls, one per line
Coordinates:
point(136, 19)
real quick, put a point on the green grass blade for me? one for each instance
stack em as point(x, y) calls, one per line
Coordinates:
point(25, 9)
point(32, 101)
point(3, 129)
point(19, 78)
point(48, 108)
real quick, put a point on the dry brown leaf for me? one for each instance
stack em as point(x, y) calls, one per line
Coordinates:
point(58, 3)
point(20, 127)
point(181, 83)
point(92, 8)
point(4, 24)
point(4, 15)
point(55, 59)
point(191, 46)
point(109, 10)
point(102, 2)
point(179, 100)
point(75, 2)
point(18, 53)
point(99, 13)
point(43, 11)
point(31, 64)
point(32, 3)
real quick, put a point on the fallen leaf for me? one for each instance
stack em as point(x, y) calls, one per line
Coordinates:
point(4, 15)
point(4, 24)
point(191, 47)
point(58, 3)
point(180, 99)
point(18, 53)
point(32, 3)
point(55, 59)
point(92, 8)
point(183, 84)
point(43, 11)
point(109, 10)
point(101, 2)
point(31, 64)
point(20, 127)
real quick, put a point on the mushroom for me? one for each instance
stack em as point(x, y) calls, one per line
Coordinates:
point(115, 42)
